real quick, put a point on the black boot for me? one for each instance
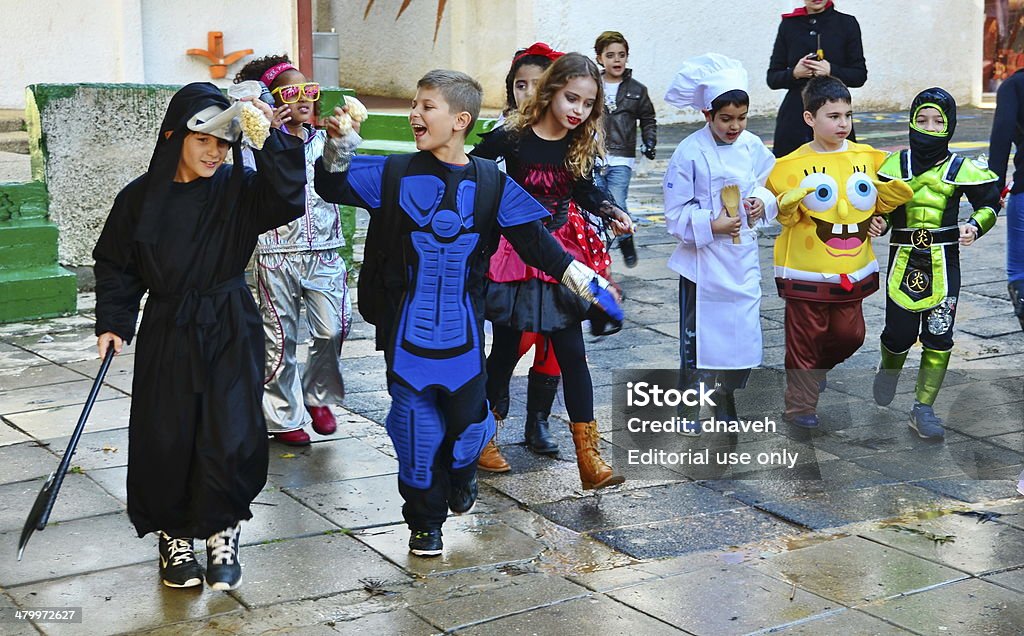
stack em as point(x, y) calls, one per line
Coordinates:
point(498, 398)
point(725, 407)
point(540, 395)
point(628, 250)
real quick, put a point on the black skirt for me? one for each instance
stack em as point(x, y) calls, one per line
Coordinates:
point(533, 306)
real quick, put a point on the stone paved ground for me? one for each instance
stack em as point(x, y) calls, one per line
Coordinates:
point(881, 534)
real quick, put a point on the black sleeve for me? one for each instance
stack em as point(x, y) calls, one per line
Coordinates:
point(276, 191)
point(593, 199)
point(648, 121)
point(984, 195)
point(1004, 127)
point(493, 145)
point(535, 245)
point(780, 73)
point(119, 286)
point(854, 70)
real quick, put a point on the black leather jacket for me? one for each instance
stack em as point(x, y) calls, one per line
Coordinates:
point(631, 103)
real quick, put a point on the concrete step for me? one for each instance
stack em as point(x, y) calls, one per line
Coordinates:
point(16, 142)
point(37, 292)
point(27, 244)
point(11, 120)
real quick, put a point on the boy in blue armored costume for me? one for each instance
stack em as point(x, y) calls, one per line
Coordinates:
point(435, 219)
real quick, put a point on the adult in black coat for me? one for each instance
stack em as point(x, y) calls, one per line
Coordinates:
point(809, 31)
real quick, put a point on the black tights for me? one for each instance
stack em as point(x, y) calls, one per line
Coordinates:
point(571, 354)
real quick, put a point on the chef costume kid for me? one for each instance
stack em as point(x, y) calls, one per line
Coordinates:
point(719, 280)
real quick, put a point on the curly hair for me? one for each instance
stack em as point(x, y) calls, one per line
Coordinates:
point(539, 61)
point(256, 68)
point(586, 141)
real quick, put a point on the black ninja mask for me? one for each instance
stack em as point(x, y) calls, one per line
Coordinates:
point(928, 148)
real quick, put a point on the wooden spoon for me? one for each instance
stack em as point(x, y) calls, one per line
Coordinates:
point(731, 203)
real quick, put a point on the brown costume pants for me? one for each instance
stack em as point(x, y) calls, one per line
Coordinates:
point(818, 337)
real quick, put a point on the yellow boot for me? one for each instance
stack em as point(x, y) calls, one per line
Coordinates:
point(594, 471)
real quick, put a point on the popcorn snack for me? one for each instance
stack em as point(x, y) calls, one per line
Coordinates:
point(356, 112)
point(255, 126)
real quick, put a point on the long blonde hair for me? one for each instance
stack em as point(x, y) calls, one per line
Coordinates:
point(586, 141)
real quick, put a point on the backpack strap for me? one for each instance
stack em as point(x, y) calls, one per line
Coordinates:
point(490, 185)
point(382, 239)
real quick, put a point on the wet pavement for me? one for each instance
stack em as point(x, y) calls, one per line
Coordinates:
point(873, 532)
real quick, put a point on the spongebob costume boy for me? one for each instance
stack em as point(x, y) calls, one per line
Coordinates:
point(824, 264)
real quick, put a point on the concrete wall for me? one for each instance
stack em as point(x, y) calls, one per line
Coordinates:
point(86, 150)
point(908, 45)
point(144, 41)
point(382, 55)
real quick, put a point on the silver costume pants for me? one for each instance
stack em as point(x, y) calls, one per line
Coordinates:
point(286, 281)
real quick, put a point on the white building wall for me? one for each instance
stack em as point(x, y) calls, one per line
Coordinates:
point(67, 41)
point(170, 28)
point(72, 41)
point(908, 45)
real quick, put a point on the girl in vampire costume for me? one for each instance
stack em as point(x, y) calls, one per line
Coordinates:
point(184, 232)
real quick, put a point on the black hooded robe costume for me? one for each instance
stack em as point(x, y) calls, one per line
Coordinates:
point(197, 452)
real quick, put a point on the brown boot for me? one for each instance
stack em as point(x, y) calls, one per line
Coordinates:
point(491, 459)
point(594, 471)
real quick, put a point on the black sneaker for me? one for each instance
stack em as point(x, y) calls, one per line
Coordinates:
point(462, 497)
point(223, 571)
point(426, 543)
point(178, 565)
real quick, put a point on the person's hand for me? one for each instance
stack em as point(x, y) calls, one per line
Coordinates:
point(754, 208)
point(340, 123)
point(106, 340)
point(649, 151)
point(877, 227)
point(790, 200)
point(802, 70)
point(281, 116)
point(621, 224)
point(819, 68)
point(968, 234)
point(261, 106)
point(726, 225)
point(891, 195)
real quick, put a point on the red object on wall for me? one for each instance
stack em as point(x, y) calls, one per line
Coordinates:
point(215, 53)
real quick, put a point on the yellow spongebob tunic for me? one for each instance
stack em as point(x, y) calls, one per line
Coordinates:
point(826, 201)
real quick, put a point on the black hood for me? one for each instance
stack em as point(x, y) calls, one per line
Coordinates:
point(926, 148)
point(187, 102)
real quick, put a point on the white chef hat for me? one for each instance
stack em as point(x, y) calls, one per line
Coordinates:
point(703, 78)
